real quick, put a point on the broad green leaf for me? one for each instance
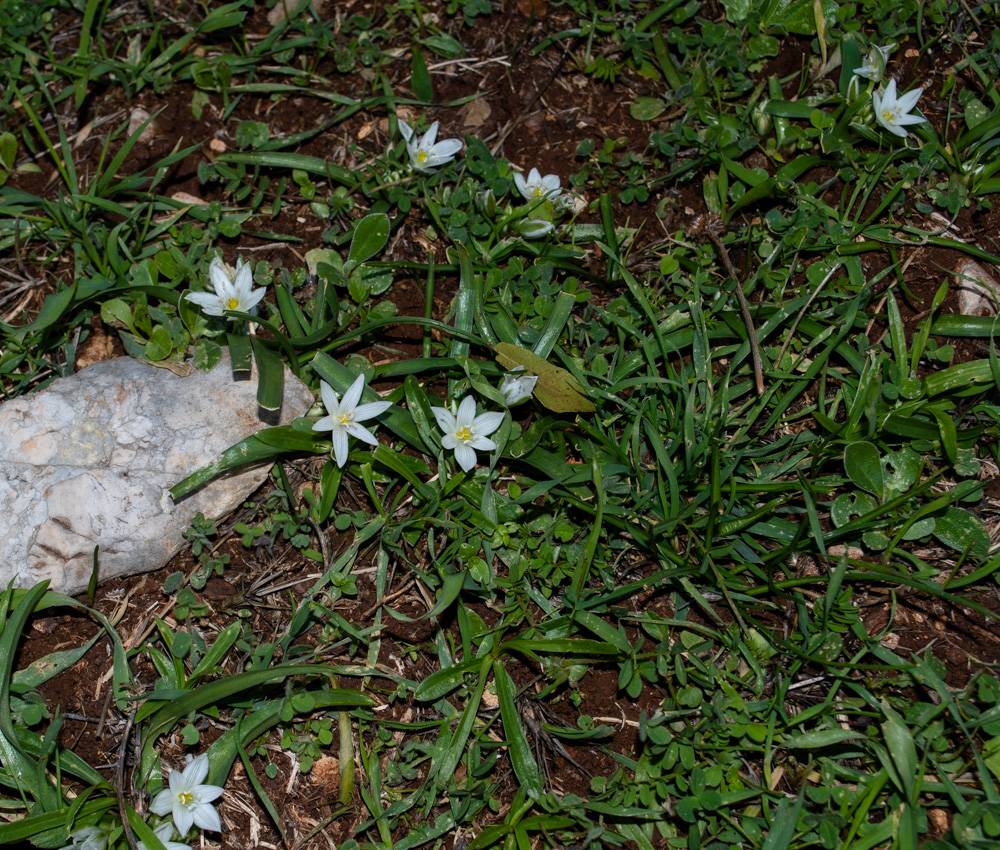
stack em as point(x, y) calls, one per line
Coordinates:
point(370, 237)
point(647, 108)
point(961, 530)
point(864, 467)
point(160, 345)
point(117, 313)
point(557, 389)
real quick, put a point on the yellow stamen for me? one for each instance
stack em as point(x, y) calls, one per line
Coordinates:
point(345, 418)
point(539, 191)
point(463, 434)
point(422, 157)
point(186, 798)
point(233, 303)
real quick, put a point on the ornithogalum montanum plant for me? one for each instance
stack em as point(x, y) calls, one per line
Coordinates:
point(233, 290)
point(465, 432)
point(425, 152)
point(893, 112)
point(345, 415)
point(188, 800)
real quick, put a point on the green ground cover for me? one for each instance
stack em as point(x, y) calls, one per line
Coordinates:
point(751, 427)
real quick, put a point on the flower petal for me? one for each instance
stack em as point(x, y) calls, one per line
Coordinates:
point(340, 450)
point(324, 424)
point(330, 401)
point(907, 101)
point(445, 419)
point(206, 817)
point(447, 148)
point(465, 457)
point(162, 803)
point(428, 139)
point(362, 433)
point(197, 771)
point(353, 394)
point(244, 278)
point(220, 279)
point(484, 444)
point(449, 441)
point(370, 410)
point(210, 304)
point(466, 412)
point(183, 819)
point(486, 423)
point(405, 130)
point(520, 184)
point(207, 793)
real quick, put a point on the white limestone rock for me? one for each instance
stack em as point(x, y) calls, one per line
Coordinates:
point(977, 290)
point(90, 460)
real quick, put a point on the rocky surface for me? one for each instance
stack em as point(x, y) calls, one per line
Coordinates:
point(90, 460)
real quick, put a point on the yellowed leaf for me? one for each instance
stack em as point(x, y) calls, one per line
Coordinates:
point(557, 389)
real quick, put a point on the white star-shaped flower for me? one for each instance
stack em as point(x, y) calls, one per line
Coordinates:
point(165, 832)
point(188, 799)
point(233, 291)
point(465, 432)
point(516, 388)
point(874, 66)
point(537, 187)
point(345, 415)
point(893, 112)
point(425, 152)
point(88, 838)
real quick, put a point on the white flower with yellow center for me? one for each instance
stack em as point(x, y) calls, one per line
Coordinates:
point(536, 187)
point(465, 432)
point(233, 290)
point(425, 151)
point(344, 416)
point(188, 799)
point(893, 112)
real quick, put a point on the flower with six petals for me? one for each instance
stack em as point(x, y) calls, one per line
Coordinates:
point(345, 414)
point(425, 151)
point(536, 187)
point(893, 112)
point(233, 291)
point(188, 799)
point(465, 432)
